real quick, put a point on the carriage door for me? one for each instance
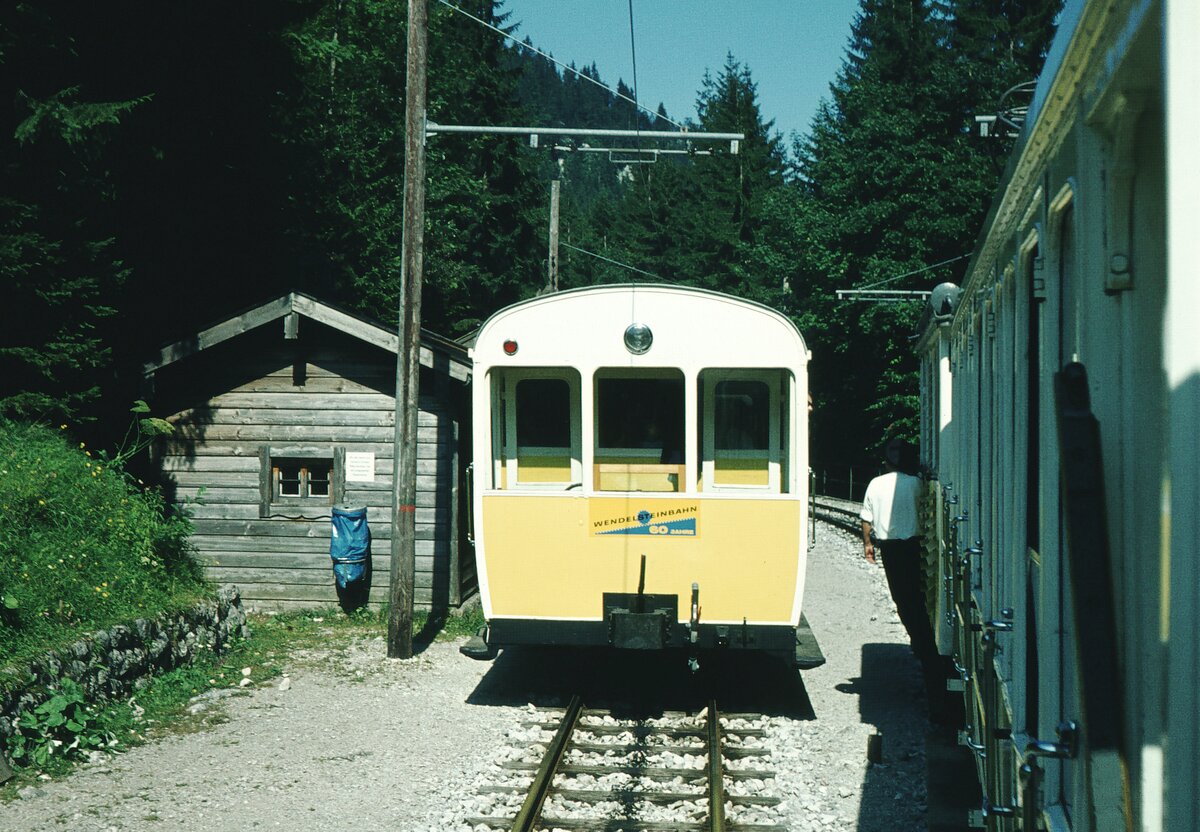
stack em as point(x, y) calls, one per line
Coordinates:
point(1028, 587)
point(1059, 698)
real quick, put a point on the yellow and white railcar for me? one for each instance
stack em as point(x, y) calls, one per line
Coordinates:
point(641, 471)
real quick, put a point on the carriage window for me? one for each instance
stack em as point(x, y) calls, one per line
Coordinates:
point(639, 432)
point(537, 430)
point(745, 419)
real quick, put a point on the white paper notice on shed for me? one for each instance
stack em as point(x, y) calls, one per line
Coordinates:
point(360, 466)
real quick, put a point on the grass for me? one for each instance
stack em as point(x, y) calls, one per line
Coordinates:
point(82, 544)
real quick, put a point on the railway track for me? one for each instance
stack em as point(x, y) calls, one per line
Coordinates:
point(837, 512)
point(598, 773)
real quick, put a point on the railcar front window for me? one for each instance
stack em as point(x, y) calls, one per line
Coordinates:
point(536, 429)
point(745, 416)
point(640, 432)
point(741, 433)
point(543, 430)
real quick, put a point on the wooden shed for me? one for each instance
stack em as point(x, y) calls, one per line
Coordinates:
point(288, 409)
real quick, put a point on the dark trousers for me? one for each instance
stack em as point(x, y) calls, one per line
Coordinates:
point(902, 565)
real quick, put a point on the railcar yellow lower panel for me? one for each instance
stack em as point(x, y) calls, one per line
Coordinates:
point(750, 471)
point(544, 469)
point(554, 556)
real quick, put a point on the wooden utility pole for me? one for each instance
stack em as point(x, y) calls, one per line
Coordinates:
point(408, 358)
point(552, 260)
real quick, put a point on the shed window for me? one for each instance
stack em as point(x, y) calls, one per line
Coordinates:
point(300, 476)
point(305, 479)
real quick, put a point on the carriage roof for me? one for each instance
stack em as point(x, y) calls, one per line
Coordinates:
point(692, 328)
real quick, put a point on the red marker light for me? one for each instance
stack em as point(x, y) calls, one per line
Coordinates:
point(510, 347)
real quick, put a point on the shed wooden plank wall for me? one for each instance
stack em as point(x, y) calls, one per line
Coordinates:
point(334, 392)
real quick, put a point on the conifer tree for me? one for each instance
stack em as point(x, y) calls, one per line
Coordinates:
point(688, 219)
point(60, 270)
point(878, 165)
point(483, 197)
point(890, 181)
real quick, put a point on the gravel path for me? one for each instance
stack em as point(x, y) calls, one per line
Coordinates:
point(350, 740)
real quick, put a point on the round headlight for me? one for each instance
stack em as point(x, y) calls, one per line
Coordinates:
point(638, 338)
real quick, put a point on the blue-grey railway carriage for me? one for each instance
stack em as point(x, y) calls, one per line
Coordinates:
point(1061, 396)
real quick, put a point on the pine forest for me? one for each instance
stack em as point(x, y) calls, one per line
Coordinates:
point(167, 164)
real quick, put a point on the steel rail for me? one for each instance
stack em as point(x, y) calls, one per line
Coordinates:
point(708, 780)
point(531, 809)
point(691, 774)
point(716, 771)
point(840, 513)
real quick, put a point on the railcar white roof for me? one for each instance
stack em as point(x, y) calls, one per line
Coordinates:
point(692, 328)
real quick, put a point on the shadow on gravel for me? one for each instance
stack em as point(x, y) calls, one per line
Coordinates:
point(643, 684)
point(890, 697)
point(886, 688)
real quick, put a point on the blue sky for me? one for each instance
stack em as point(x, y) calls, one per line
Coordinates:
point(794, 48)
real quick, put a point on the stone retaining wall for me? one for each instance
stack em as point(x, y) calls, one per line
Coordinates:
point(114, 663)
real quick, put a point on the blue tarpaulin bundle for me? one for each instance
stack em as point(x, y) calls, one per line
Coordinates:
point(349, 545)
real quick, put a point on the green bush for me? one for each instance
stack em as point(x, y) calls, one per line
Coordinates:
point(82, 546)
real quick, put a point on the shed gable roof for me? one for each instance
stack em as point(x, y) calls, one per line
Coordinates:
point(297, 303)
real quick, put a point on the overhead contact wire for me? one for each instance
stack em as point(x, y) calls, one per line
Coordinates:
point(560, 64)
point(633, 54)
point(910, 274)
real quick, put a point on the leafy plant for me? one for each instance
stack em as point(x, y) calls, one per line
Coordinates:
point(66, 725)
point(142, 432)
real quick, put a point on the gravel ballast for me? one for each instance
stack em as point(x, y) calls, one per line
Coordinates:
point(352, 740)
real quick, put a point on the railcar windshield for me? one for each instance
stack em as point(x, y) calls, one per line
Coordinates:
point(742, 424)
point(639, 430)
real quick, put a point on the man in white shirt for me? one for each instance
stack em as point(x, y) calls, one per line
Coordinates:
point(889, 512)
point(890, 524)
